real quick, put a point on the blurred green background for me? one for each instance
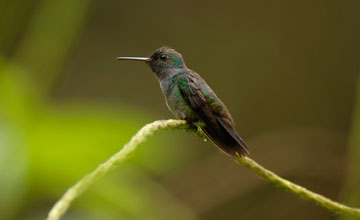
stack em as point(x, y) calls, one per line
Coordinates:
point(287, 70)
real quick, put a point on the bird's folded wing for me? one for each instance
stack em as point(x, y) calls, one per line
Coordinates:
point(218, 128)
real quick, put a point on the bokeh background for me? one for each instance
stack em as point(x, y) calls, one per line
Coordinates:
point(287, 70)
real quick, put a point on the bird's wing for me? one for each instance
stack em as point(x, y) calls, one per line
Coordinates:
point(219, 125)
point(191, 92)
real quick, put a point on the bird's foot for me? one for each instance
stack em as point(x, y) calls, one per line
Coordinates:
point(199, 124)
point(193, 127)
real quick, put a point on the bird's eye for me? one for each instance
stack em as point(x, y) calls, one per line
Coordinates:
point(163, 57)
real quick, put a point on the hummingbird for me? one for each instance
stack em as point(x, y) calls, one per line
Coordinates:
point(189, 98)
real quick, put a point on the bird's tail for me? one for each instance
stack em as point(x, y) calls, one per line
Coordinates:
point(226, 138)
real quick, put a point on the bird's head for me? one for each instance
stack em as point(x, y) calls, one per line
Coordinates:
point(163, 58)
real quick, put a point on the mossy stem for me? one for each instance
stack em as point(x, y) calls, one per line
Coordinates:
point(62, 205)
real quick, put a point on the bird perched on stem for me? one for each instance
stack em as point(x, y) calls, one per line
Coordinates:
point(189, 98)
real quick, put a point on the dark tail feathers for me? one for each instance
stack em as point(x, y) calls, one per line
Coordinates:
point(226, 138)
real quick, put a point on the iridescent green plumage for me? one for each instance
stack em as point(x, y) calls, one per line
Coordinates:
point(189, 97)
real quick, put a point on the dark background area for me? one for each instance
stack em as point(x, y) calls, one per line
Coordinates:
point(287, 71)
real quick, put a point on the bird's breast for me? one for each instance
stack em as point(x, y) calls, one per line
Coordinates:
point(177, 104)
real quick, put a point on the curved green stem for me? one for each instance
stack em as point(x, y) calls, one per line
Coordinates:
point(297, 190)
point(73, 192)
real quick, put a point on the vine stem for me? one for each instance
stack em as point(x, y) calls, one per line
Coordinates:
point(298, 190)
point(62, 205)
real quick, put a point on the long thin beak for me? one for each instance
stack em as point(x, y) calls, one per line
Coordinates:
point(146, 59)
